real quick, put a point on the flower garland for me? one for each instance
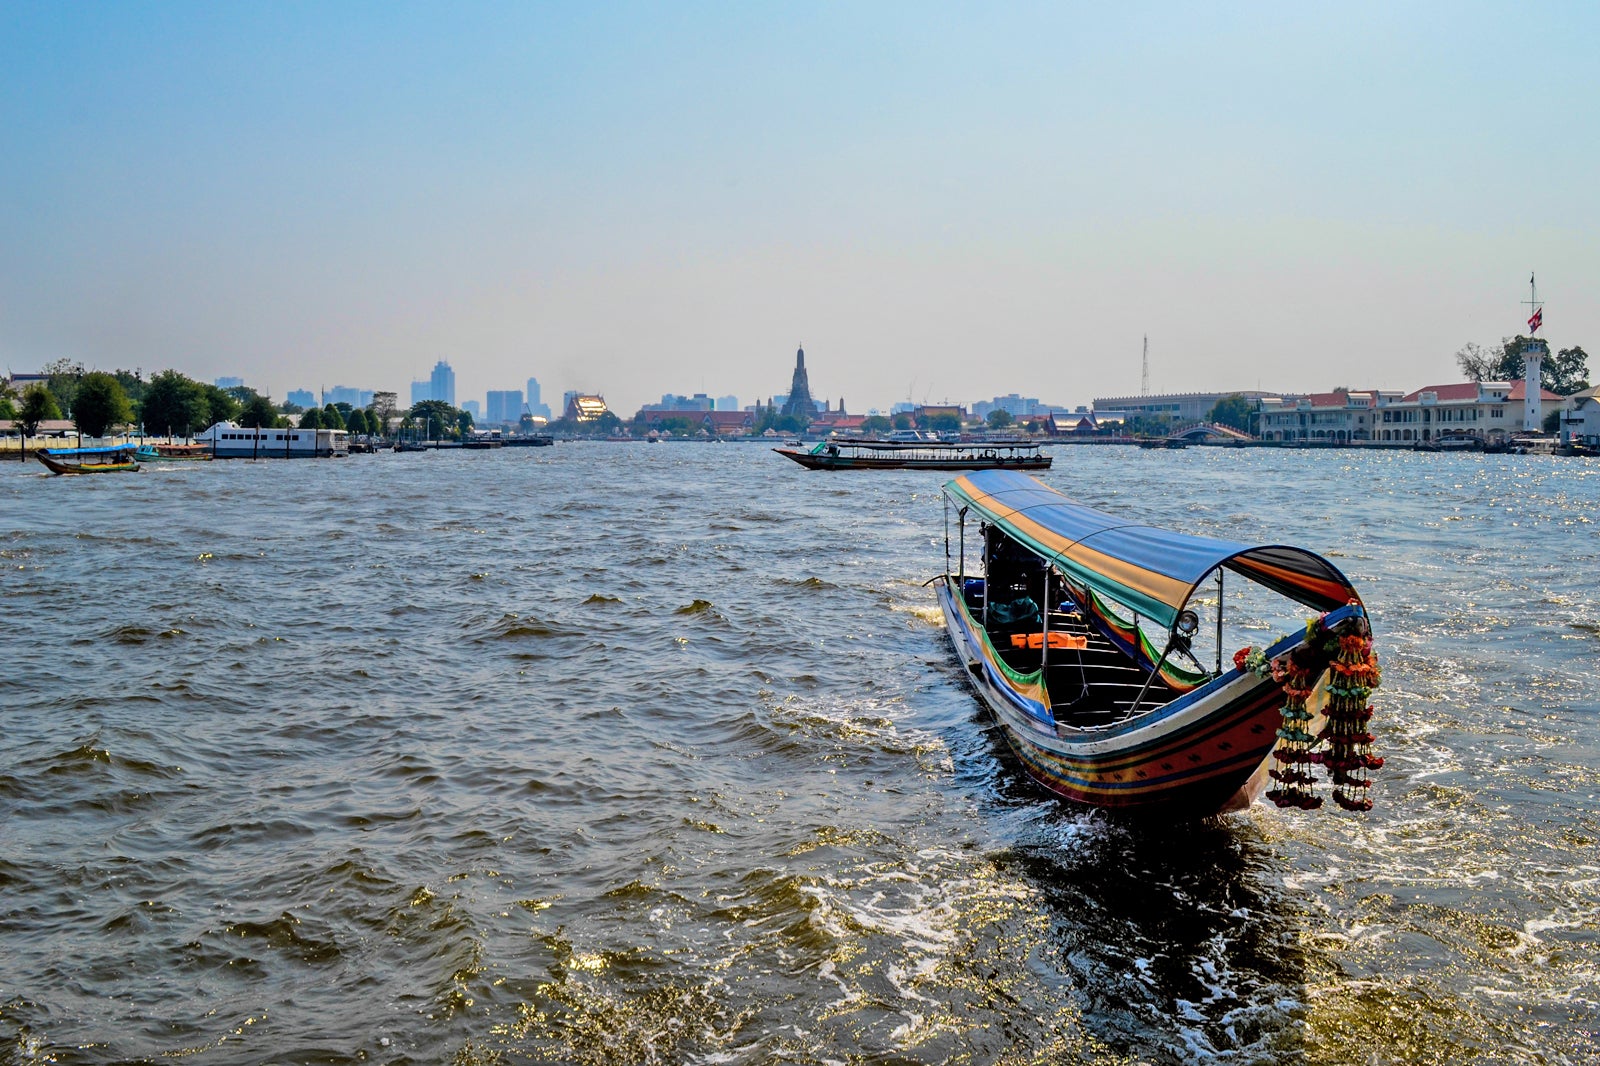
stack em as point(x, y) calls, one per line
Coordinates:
point(1344, 746)
point(1353, 674)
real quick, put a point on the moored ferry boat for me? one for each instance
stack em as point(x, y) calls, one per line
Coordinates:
point(857, 454)
point(228, 441)
point(1083, 634)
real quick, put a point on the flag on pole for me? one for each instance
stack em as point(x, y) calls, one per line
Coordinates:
point(1534, 320)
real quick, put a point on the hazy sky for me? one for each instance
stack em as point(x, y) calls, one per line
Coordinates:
point(939, 201)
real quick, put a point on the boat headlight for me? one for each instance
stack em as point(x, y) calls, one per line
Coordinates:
point(1188, 624)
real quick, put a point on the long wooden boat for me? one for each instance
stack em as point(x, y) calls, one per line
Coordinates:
point(1085, 635)
point(856, 454)
point(113, 459)
point(173, 453)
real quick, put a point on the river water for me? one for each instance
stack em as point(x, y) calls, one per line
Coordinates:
point(624, 754)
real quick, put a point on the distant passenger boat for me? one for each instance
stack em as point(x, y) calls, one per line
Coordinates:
point(918, 455)
point(112, 459)
point(169, 453)
point(1079, 632)
point(228, 441)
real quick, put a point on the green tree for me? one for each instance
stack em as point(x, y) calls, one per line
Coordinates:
point(464, 422)
point(1567, 371)
point(331, 418)
point(999, 418)
point(1236, 412)
point(1564, 373)
point(608, 423)
point(100, 404)
point(173, 404)
point(38, 405)
point(435, 418)
point(291, 408)
point(258, 413)
point(357, 421)
point(1552, 421)
point(220, 405)
point(242, 394)
point(312, 418)
point(902, 421)
point(945, 424)
point(875, 424)
point(681, 427)
point(63, 381)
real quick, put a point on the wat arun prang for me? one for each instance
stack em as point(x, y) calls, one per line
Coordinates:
point(799, 401)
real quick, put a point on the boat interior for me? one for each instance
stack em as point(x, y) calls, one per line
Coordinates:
point(1091, 681)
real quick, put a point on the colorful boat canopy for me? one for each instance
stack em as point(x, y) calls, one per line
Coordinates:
point(1147, 569)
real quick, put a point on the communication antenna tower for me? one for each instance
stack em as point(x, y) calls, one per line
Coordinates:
point(1144, 380)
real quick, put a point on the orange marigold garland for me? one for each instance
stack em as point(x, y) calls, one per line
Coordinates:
point(1293, 753)
point(1352, 675)
point(1344, 746)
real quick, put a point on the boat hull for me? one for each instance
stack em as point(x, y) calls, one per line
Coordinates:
point(1204, 754)
point(812, 461)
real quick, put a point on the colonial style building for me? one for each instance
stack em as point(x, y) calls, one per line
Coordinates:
point(1488, 410)
point(1333, 417)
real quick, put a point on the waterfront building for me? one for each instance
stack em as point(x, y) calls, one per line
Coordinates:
point(1581, 423)
point(536, 406)
point(1174, 406)
point(229, 383)
point(1488, 410)
point(302, 398)
point(1337, 417)
point(583, 408)
point(504, 407)
point(443, 382)
point(799, 401)
point(924, 412)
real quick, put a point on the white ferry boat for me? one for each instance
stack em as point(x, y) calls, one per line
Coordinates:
point(228, 441)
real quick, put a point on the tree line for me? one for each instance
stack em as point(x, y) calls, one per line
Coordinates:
point(170, 403)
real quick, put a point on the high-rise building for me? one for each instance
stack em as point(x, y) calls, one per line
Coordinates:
point(472, 408)
point(536, 406)
point(345, 394)
point(799, 400)
point(444, 383)
point(504, 407)
point(229, 383)
point(421, 390)
point(302, 397)
point(727, 403)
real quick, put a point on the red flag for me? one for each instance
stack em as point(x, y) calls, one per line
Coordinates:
point(1535, 320)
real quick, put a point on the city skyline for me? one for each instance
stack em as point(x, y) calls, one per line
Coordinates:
point(943, 203)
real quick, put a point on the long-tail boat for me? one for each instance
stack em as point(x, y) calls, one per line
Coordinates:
point(112, 459)
point(1085, 635)
point(857, 454)
point(171, 453)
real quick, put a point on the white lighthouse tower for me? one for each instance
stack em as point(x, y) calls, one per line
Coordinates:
point(1533, 360)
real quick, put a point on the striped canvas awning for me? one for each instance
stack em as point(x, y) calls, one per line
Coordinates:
point(1150, 570)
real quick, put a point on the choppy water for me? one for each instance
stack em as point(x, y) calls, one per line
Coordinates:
point(614, 753)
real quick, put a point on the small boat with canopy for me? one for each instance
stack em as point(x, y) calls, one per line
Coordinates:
point(855, 454)
point(110, 459)
point(1087, 637)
